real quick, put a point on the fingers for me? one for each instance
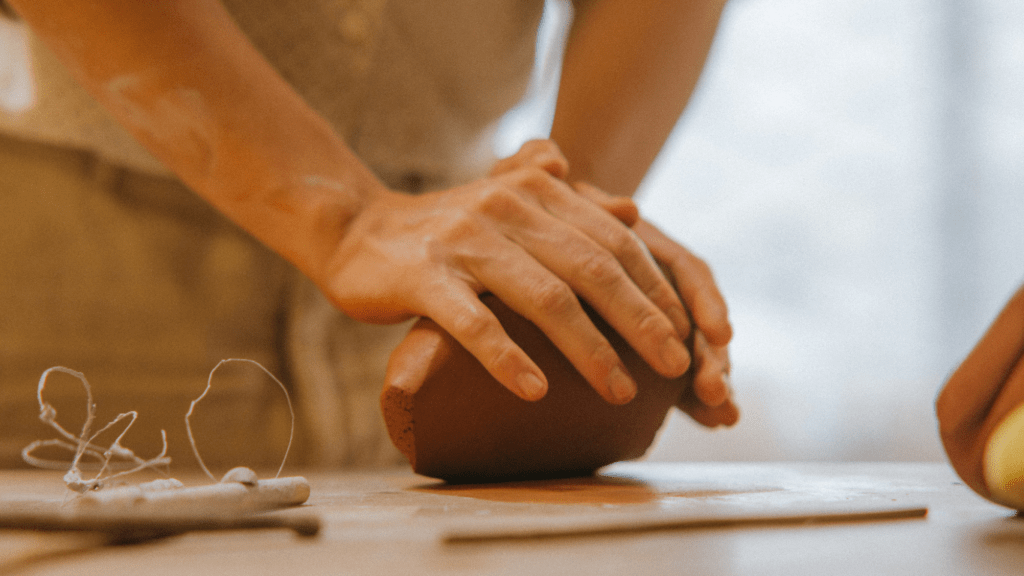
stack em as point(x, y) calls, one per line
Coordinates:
point(632, 256)
point(531, 289)
point(662, 293)
point(540, 296)
point(609, 268)
point(546, 155)
point(594, 213)
point(725, 414)
point(694, 281)
point(709, 399)
point(461, 313)
point(711, 382)
point(621, 207)
point(543, 154)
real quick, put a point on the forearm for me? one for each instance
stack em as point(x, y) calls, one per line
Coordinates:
point(186, 82)
point(628, 72)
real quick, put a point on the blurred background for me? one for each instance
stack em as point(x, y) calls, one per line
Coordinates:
point(853, 171)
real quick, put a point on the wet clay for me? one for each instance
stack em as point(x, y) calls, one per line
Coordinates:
point(453, 421)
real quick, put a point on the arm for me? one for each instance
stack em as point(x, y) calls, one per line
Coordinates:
point(629, 70)
point(186, 83)
point(982, 391)
point(184, 80)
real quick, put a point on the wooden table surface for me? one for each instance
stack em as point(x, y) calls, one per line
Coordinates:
point(639, 518)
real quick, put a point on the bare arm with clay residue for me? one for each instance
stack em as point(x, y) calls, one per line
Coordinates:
point(184, 80)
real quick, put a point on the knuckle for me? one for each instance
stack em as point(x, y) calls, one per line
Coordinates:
point(701, 272)
point(558, 161)
point(536, 178)
point(601, 269)
point(472, 326)
point(504, 357)
point(693, 276)
point(663, 295)
point(653, 323)
point(603, 357)
point(460, 228)
point(550, 155)
point(711, 366)
point(498, 201)
point(554, 298)
point(625, 245)
point(503, 165)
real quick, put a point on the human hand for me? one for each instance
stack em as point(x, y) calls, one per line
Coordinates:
point(709, 401)
point(531, 240)
point(983, 391)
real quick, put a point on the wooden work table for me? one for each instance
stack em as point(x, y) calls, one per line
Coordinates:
point(640, 518)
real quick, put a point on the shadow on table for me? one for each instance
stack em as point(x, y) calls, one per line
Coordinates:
point(583, 490)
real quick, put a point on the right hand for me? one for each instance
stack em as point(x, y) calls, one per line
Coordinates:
point(526, 236)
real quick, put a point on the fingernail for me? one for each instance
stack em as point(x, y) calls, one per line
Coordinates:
point(727, 381)
point(675, 356)
point(530, 386)
point(621, 386)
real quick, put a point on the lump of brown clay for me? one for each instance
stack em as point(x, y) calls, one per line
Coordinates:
point(454, 421)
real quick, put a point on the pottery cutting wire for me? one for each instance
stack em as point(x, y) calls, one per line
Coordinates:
point(159, 508)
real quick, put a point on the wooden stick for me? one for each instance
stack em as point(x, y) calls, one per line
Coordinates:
point(556, 526)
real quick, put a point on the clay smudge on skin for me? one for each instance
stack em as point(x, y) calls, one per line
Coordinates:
point(323, 182)
point(17, 88)
point(176, 122)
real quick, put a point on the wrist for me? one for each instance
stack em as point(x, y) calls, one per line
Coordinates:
point(306, 219)
point(298, 194)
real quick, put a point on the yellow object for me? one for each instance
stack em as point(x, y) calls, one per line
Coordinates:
point(1004, 461)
